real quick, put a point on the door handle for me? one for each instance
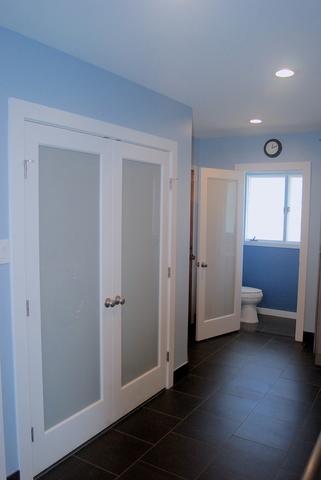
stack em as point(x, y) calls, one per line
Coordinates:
point(109, 303)
point(204, 265)
point(119, 300)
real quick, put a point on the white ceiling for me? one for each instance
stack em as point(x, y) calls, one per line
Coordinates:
point(217, 56)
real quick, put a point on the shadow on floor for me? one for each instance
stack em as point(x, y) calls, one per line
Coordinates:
point(276, 325)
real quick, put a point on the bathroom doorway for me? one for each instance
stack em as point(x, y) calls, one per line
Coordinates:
point(276, 221)
point(292, 178)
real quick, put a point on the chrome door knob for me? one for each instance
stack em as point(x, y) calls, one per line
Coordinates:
point(119, 300)
point(109, 303)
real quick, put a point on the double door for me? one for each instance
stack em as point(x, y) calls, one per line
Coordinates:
point(96, 225)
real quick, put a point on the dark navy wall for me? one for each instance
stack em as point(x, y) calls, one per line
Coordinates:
point(275, 271)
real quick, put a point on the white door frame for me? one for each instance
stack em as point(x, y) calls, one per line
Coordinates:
point(305, 169)
point(19, 113)
point(3, 475)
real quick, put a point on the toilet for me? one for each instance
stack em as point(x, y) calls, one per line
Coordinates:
point(250, 297)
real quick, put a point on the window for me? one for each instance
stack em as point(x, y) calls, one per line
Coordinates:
point(273, 208)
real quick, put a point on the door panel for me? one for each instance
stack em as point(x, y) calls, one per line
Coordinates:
point(141, 225)
point(220, 252)
point(69, 281)
point(70, 333)
point(140, 267)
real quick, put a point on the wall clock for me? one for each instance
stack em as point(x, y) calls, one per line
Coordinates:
point(273, 148)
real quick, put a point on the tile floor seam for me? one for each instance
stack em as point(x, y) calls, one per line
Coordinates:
point(133, 436)
point(285, 450)
point(213, 353)
point(164, 436)
point(163, 470)
point(168, 414)
point(145, 453)
point(99, 467)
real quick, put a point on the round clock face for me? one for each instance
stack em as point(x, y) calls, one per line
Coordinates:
point(273, 147)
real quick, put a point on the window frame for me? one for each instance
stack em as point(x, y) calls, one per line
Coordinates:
point(273, 243)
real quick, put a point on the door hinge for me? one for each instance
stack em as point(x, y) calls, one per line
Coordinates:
point(167, 357)
point(27, 308)
point(171, 181)
point(169, 272)
point(25, 167)
point(32, 434)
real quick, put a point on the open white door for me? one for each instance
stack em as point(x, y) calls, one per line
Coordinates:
point(219, 273)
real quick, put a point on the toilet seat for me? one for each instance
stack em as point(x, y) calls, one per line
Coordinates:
point(251, 291)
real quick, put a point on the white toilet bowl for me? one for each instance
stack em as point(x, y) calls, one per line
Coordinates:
point(250, 297)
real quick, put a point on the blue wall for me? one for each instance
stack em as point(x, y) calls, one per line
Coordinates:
point(225, 152)
point(275, 271)
point(37, 73)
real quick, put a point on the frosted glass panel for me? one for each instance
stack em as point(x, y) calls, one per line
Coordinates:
point(293, 233)
point(220, 247)
point(265, 208)
point(69, 281)
point(140, 267)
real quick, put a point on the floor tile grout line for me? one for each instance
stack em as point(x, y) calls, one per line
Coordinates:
point(133, 436)
point(99, 467)
point(168, 414)
point(171, 431)
point(163, 470)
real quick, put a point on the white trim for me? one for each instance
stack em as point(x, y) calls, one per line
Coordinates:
point(305, 169)
point(276, 313)
point(2, 445)
point(264, 243)
point(19, 113)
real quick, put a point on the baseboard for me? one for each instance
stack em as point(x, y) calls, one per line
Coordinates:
point(14, 476)
point(181, 372)
point(277, 313)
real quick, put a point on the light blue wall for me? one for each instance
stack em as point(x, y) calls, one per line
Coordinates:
point(36, 73)
point(225, 152)
point(275, 271)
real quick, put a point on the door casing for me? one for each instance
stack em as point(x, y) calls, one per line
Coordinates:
point(21, 112)
point(2, 446)
point(305, 169)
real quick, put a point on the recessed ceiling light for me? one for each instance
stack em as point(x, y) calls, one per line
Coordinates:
point(255, 121)
point(284, 73)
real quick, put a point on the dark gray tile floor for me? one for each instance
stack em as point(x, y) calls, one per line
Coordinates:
point(250, 408)
point(276, 325)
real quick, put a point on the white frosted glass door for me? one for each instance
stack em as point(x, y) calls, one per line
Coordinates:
point(141, 201)
point(68, 192)
point(220, 253)
point(141, 223)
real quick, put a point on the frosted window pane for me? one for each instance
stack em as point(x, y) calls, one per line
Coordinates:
point(221, 247)
point(265, 208)
point(69, 281)
point(295, 207)
point(140, 267)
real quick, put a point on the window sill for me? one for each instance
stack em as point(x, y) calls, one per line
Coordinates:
point(262, 243)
